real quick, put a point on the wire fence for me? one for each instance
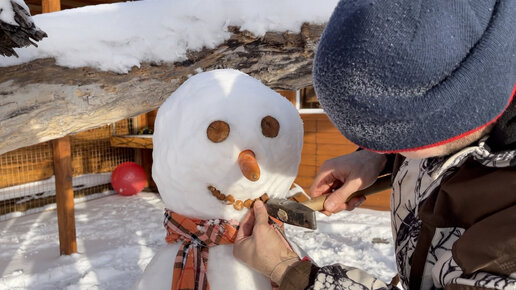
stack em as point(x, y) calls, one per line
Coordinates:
point(27, 182)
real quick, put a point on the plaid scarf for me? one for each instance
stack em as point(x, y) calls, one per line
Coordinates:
point(191, 262)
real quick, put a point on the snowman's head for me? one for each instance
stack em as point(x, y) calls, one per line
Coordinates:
point(222, 138)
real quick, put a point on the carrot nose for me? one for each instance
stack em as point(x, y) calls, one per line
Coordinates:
point(249, 165)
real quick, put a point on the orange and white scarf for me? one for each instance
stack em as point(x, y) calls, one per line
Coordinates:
point(198, 236)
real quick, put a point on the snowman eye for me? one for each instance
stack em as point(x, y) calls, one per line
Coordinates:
point(218, 131)
point(270, 127)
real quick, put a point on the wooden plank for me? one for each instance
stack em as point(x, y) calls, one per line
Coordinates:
point(309, 149)
point(307, 171)
point(290, 95)
point(146, 155)
point(308, 159)
point(26, 165)
point(141, 122)
point(325, 125)
point(304, 182)
point(131, 141)
point(50, 5)
point(103, 132)
point(325, 151)
point(315, 117)
point(25, 172)
point(34, 9)
point(378, 201)
point(321, 158)
point(309, 138)
point(308, 154)
point(327, 137)
point(334, 149)
point(151, 118)
point(64, 195)
point(309, 125)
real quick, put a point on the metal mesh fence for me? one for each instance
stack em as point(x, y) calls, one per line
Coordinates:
point(27, 182)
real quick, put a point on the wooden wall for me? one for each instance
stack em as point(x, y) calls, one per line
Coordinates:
point(91, 153)
point(26, 165)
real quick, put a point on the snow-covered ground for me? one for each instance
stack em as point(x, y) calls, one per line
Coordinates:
point(117, 236)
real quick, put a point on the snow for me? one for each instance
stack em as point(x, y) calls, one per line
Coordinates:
point(7, 12)
point(117, 37)
point(186, 162)
point(117, 237)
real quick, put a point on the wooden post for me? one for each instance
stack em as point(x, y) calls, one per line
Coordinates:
point(64, 195)
point(63, 173)
point(147, 166)
point(143, 156)
point(50, 5)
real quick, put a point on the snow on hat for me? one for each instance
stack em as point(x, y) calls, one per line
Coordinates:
point(410, 74)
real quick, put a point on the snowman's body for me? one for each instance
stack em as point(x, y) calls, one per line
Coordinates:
point(192, 154)
point(224, 271)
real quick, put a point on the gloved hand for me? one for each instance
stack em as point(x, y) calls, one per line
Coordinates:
point(259, 246)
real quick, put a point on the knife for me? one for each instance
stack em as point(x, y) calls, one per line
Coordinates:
point(303, 213)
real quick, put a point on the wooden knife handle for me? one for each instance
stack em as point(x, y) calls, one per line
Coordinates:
point(381, 184)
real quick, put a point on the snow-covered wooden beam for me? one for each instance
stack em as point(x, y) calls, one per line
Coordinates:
point(103, 63)
point(40, 100)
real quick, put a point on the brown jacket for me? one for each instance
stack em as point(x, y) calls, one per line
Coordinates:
point(483, 201)
point(478, 198)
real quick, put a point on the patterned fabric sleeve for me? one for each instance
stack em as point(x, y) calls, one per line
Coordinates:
point(306, 275)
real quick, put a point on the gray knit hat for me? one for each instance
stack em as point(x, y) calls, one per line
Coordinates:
point(397, 75)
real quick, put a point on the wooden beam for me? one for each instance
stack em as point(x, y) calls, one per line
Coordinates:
point(50, 5)
point(141, 156)
point(64, 195)
point(132, 141)
point(43, 101)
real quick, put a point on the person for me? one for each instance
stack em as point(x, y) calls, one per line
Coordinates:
point(425, 89)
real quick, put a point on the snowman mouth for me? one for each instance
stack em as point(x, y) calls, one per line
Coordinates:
point(238, 204)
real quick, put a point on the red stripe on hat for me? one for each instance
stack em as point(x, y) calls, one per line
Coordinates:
point(453, 138)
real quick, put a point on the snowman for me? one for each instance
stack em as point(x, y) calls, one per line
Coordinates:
point(221, 141)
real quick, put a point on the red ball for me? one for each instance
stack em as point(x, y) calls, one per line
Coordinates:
point(128, 178)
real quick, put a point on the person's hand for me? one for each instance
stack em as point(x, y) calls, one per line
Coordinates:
point(260, 247)
point(343, 175)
